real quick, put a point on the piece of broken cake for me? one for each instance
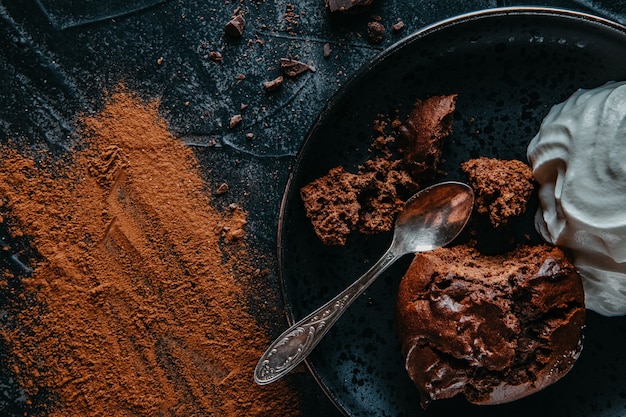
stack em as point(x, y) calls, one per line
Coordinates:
point(367, 201)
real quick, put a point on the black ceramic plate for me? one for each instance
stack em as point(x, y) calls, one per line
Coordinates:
point(508, 66)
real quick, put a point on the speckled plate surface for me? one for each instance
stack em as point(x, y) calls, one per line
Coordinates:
point(508, 66)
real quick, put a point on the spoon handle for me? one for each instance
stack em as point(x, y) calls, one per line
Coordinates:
point(295, 344)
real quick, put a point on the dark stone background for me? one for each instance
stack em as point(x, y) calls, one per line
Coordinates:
point(58, 56)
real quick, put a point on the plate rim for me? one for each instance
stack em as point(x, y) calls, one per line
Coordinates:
point(443, 24)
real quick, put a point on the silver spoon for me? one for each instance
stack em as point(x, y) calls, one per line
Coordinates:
point(432, 218)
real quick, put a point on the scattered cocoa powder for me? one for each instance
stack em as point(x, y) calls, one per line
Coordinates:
point(503, 187)
point(137, 299)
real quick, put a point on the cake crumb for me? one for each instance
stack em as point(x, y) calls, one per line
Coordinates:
point(367, 201)
point(375, 32)
point(348, 6)
point(502, 187)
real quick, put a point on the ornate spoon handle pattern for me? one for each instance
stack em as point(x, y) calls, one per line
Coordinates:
point(430, 219)
point(295, 344)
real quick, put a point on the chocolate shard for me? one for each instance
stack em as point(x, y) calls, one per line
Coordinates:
point(293, 68)
point(375, 32)
point(348, 6)
point(273, 84)
point(235, 26)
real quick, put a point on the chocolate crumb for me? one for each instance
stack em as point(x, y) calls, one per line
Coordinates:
point(327, 50)
point(502, 187)
point(375, 32)
point(397, 27)
point(215, 56)
point(348, 6)
point(293, 68)
point(235, 26)
point(273, 84)
point(235, 120)
point(222, 189)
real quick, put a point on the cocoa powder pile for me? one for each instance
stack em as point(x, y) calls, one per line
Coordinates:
point(137, 301)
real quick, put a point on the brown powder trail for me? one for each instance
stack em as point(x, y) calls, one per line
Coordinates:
point(137, 309)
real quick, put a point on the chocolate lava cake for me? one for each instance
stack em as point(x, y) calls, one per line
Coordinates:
point(492, 328)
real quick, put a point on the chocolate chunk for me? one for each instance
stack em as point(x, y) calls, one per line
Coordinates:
point(293, 68)
point(348, 6)
point(235, 26)
point(273, 84)
point(222, 189)
point(235, 120)
point(397, 27)
point(215, 56)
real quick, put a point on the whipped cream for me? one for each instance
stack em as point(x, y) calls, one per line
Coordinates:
point(579, 159)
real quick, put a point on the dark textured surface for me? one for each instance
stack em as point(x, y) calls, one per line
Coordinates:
point(57, 60)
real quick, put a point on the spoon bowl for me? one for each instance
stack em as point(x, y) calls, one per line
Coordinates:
point(431, 218)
